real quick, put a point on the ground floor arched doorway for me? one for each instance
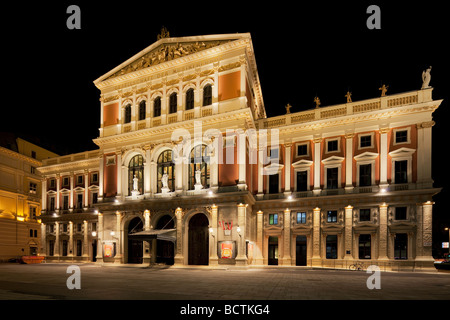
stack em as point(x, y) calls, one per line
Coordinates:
point(165, 249)
point(198, 240)
point(135, 247)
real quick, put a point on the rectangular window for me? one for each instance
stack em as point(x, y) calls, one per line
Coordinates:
point(332, 178)
point(79, 228)
point(273, 218)
point(302, 150)
point(66, 182)
point(79, 180)
point(273, 183)
point(302, 181)
point(94, 197)
point(65, 202)
point(52, 183)
point(33, 170)
point(79, 201)
point(33, 213)
point(52, 203)
point(94, 178)
point(33, 154)
point(365, 141)
point(331, 247)
point(401, 171)
point(33, 187)
point(64, 227)
point(332, 145)
point(332, 216)
point(364, 246)
point(401, 136)
point(401, 246)
point(364, 214)
point(365, 175)
point(273, 153)
point(400, 213)
point(301, 217)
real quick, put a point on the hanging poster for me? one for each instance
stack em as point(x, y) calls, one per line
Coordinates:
point(108, 250)
point(227, 250)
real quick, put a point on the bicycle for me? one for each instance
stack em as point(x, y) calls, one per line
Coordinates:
point(357, 266)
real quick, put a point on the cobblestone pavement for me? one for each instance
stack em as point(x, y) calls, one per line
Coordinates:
point(48, 281)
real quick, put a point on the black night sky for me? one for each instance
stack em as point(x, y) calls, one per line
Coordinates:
point(301, 51)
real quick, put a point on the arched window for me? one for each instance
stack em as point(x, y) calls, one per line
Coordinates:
point(190, 99)
point(127, 114)
point(165, 165)
point(199, 161)
point(136, 168)
point(157, 107)
point(142, 108)
point(173, 103)
point(207, 95)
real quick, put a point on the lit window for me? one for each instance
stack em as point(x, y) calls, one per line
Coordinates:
point(332, 216)
point(273, 218)
point(301, 217)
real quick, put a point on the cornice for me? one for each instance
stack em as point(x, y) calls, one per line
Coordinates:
point(19, 156)
point(72, 166)
point(149, 133)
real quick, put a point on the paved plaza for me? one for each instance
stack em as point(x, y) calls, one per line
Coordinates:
point(48, 281)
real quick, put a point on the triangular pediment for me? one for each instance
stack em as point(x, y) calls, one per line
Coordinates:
point(366, 156)
point(169, 49)
point(302, 163)
point(402, 152)
point(333, 159)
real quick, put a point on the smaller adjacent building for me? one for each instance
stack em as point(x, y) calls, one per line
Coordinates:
point(20, 196)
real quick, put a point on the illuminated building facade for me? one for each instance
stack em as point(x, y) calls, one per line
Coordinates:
point(20, 197)
point(182, 175)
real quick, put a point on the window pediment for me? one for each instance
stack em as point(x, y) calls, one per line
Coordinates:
point(273, 168)
point(333, 160)
point(402, 152)
point(366, 156)
point(302, 163)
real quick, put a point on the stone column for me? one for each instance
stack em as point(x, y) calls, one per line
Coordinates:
point(58, 193)
point(424, 233)
point(100, 180)
point(317, 147)
point(99, 257)
point(383, 157)
point(259, 259)
point(85, 241)
point(86, 188)
point(349, 162)
point(71, 192)
point(147, 169)
point(286, 259)
point(148, 245)
point(241, 158)
point(118, 233)
point(241, 258)
point(179, 259)
point(316, 258)
point(287, 168)
point(213, 258)
point(70, 246)
point(43, 240)
point(119, 174)
point(424, 178)
point(44, 194)
point(383, 234)
point(349, 254)
point(56, 248)
point(260, 173)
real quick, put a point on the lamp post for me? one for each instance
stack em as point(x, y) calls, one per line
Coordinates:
point(448, 229)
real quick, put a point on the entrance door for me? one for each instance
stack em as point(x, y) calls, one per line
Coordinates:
point(198, 240)
point(273, 183)
point(273, 251)
point(300, 251)
point(94, 250)
point(135, 247)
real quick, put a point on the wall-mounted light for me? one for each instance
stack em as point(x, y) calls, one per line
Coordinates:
point(210, 193)
point(383, 190)
point(238, 229)
point(112, 233)
point(94, 234)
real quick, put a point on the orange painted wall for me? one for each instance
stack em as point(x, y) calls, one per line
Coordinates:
point(229, 85)
point(324, 156)
point(110, 114)
point(374, 149)
point(411, 145)
point(228, 173)
point(110, 178)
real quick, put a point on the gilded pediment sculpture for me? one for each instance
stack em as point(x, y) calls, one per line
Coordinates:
point(167, 52)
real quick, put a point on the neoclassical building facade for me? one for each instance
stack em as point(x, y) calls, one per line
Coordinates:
point(190, 171)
